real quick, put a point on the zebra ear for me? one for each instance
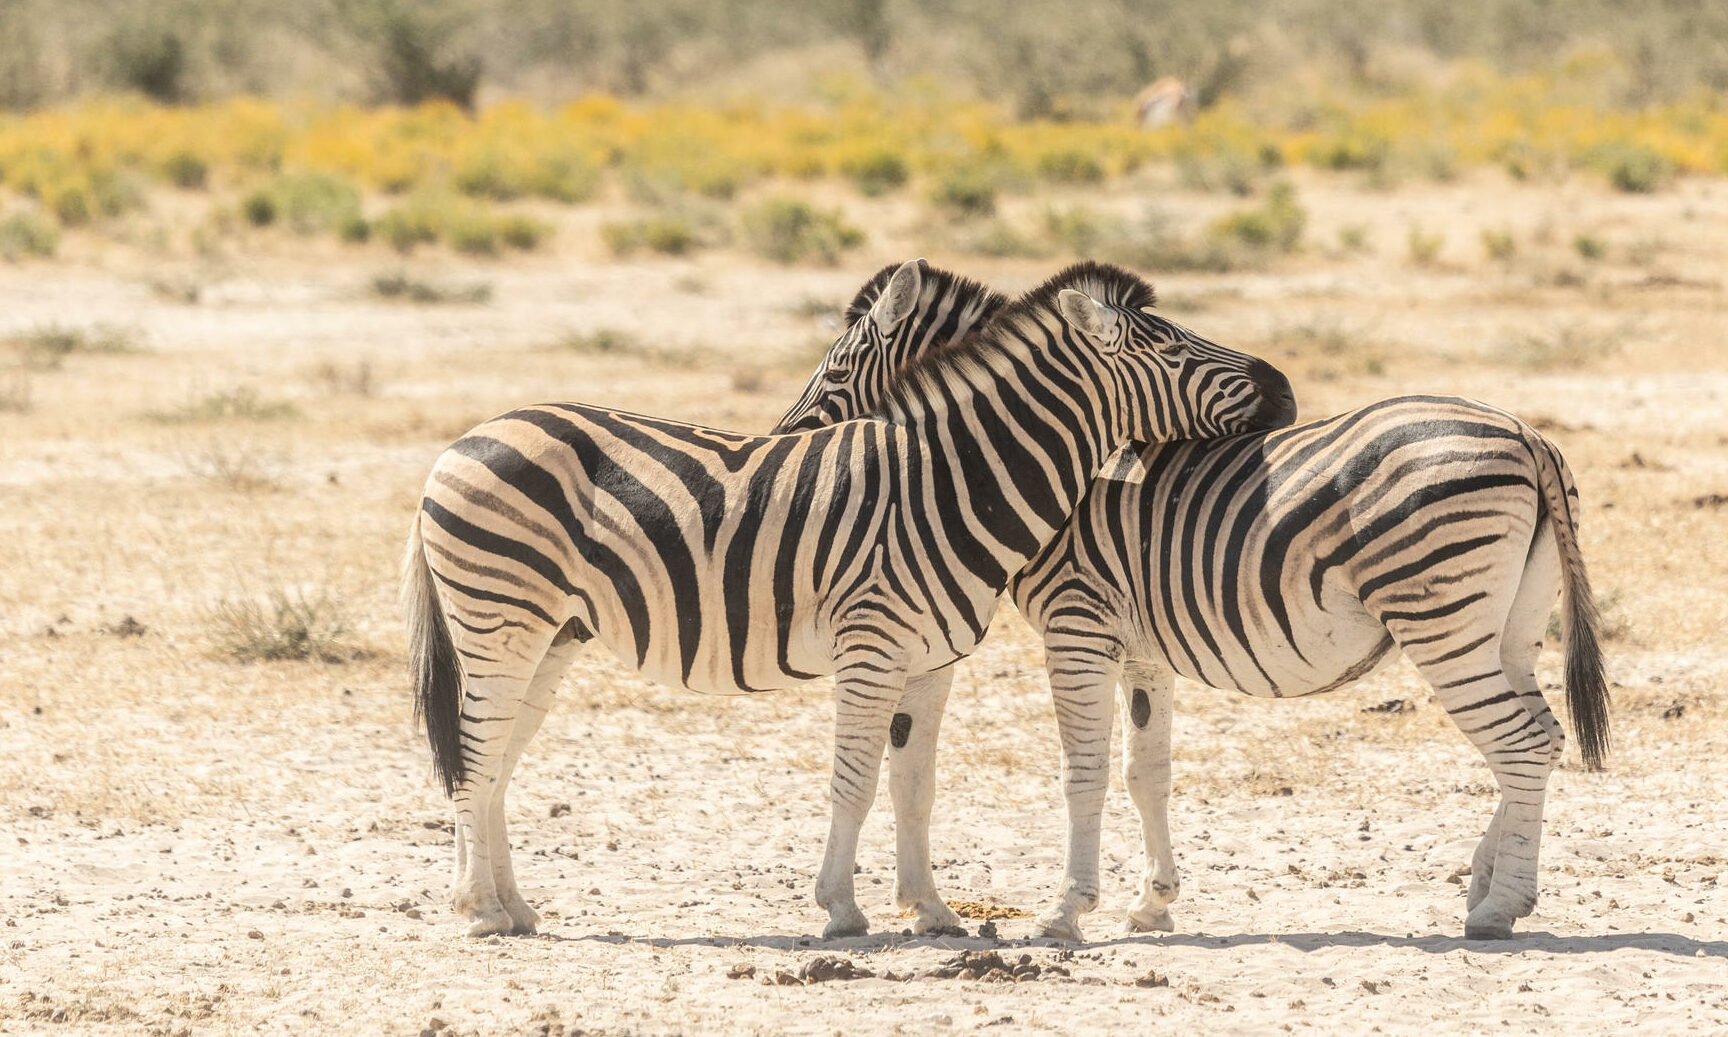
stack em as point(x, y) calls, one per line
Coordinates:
point(900, 297)
point(1086, 314)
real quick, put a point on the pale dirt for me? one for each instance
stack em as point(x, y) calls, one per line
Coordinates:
point(192, 845)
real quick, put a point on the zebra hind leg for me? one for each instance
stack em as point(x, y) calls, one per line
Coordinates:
point(1519, 750)
point(535, 705)
point(1149, 691)
point(498, 719)
point(1520, 645)
point(1084, 669)
point(912, 736)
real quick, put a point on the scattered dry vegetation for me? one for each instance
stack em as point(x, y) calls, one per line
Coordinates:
point(208, 528)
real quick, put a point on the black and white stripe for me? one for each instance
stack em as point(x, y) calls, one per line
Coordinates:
point(873, 549)
point(1292, 562)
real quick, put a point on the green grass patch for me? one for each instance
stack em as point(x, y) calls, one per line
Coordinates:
point(400, 287)
point(668, 234)
point(46, 348)
point(306, 203)
point(28, 233)
point(788, 230)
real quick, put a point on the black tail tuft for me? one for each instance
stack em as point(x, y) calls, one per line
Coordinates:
point(433, 667)
point(1586, 681)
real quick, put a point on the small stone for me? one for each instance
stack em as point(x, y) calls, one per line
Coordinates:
point(255, 935)
point(742, 970)
point(1152, 979)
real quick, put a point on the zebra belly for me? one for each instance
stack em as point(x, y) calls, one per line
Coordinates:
point(1330, 644)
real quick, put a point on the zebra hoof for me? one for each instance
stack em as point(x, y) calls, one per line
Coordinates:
point(498, 924)
point(941, 921)
point(1059, 927)
point(846, 923)
point(1151, 922)
point(1496, 931)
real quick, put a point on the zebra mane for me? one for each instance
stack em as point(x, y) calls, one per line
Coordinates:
point(1105, 282)
point(938, 284)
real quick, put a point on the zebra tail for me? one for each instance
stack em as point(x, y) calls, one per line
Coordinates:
point(432, 665)
point(1586, 680)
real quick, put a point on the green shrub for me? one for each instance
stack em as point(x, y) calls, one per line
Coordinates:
point(186, 171)
point(409, 289)
point(789, 229)
point(667, 234)
point(355, 230)
point(965, 193)
point(523, 232)
point(28, 233)
point(1425, 247)
point(1499, 244)
point(1076, 229)
point(46, 348)
point(875, 173)
point(259, 208)
point(1070, 166)
point(1274, 226)
point(1588, 246)
point(406, 227)
point(1637, 169)
point(1351, 151)
point(1227, 170)
point(567, 178)
point(243, 404)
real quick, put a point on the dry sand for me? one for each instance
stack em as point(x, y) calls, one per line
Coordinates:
point(193, 845)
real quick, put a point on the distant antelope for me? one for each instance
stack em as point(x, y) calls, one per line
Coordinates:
point(1166, 101)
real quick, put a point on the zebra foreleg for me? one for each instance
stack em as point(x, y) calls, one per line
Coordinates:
point(912, 736)
point(1084, 670)
point(1148, 691)
point(868, 686)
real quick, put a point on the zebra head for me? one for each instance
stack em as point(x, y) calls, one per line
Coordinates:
point(903, 312)
point(1169, 382)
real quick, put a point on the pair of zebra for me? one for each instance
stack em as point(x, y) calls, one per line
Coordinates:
point(949, 448)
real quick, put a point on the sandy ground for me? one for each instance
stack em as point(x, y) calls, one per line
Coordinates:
point(193, 845)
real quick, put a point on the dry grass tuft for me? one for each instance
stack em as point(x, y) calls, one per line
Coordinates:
point(281, 628)
point(401, 287)
point(240, 404)
point(235, 467)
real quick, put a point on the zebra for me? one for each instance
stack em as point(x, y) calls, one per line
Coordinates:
point(1291, 562)
point(949, 308)
point(874, 550)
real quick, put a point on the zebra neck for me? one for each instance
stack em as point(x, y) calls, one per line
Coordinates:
point(1001, 451)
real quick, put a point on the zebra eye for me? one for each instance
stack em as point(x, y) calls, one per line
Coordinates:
point(836, 375)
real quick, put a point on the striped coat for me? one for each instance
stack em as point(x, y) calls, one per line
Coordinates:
point(1292, 562)
point(874, 550)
